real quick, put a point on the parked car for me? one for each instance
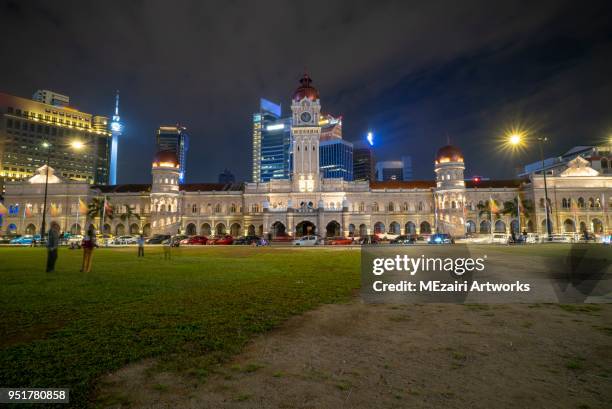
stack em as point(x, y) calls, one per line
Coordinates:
point(441, 238)
point(282, 237)
point(7, 239)
point(26, 240)
point(104, 239)
point(372, 239)
point(306, 241)
point(500, 238)
point(341, 241)
point(224, 240)
point(247, 240)
point(158, 239)
point(194, 240)
point(404, 239)
point(561, 238)
point(126, 240)
point(75, 241)
point(177, 239)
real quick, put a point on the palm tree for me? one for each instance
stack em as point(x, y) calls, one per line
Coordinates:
point(96, 209)
point(129, 214)
point(485, 209)
point(511, 207)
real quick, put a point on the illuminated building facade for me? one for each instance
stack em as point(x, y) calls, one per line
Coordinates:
point(329, 206)
point(174, 139)
point(26, 124)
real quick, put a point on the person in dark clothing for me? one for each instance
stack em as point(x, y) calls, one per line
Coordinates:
point(52, 244)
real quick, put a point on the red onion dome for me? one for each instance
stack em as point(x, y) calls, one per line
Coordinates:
point(305, 90)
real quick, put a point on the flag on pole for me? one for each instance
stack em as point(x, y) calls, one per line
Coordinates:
point(494, 207)
point(108, 209)
point(82, 207)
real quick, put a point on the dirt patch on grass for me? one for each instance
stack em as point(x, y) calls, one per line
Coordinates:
point(391, 356)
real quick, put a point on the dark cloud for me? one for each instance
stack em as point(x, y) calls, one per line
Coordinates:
point(416, 73)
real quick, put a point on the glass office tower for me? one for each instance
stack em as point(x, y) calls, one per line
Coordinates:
point(174, 139)
point(271, 143)
point(336, 159)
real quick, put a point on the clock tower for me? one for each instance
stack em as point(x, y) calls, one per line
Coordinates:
point(305, 136)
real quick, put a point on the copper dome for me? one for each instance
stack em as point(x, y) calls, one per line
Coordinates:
point(305, 90)
point(449, 153)
point(166, 157)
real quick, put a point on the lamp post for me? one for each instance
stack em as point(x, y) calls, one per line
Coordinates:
point(43, 225)
point(515, 140)
point(541, 140)
point(77, 145)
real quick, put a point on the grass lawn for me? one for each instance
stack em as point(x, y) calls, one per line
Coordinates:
point(67, 328)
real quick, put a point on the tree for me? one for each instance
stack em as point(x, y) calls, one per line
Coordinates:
point(510, 207)
point(485, 209)
point(129, 214)
point(96, 208)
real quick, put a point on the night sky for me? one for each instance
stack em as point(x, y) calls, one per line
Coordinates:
point(416, 73)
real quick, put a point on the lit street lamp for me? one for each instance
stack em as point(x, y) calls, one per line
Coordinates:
point(516, 140)
point(77, 145)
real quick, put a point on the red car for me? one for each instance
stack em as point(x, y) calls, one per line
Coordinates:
point(341, 241)
point(201, 240)
point(223, 240)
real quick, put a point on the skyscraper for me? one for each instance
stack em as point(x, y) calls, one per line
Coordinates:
point(394, 169)
point(336, 159)
point(26, 126)
point(363, 164)
point(271, 143)
point(174, 138)
point(116, 129)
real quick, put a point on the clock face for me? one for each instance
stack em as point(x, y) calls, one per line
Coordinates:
point(305, 117)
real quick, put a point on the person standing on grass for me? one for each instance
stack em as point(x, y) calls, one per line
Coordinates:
point(89, 242)
point(52, 244)
point(141, 246)
point(167, 249)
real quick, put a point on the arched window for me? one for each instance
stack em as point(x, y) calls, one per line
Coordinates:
point(391, 206)
point(565, 203)
point(233, 208)
point(375, 207)
point(591, 202)
point(194, 208)
point(420, 206)
point(405, 207)
point(254, 208)
point(362, 207)
point(218, 208)
point(580, 202)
